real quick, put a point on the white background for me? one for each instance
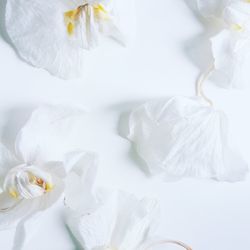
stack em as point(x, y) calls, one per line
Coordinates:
point(171, 49)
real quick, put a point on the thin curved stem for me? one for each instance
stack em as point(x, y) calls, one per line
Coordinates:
point(199, 86)
point(179, 243)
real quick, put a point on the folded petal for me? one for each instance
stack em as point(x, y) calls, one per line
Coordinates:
point(237, 16)
point(133, 222)
point(231, 59)
point(79, 195)
point(181, 137)
point(94, 229)
point(50, 133)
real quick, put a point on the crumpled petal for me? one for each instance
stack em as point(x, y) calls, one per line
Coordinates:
point(116, 219)
point(49, 134)
point(212, 8)
point(94, 229)
point(231, 59)
point(237, 16)
point(133, 222)
point(120, 221)
point(181, 137)
point(38, 31)
point(80, 183)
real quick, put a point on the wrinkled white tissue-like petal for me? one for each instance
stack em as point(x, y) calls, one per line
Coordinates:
point(181, 137)
point(38, 32)
point(49, 134)
point(238, 13)
point(133, 222)
point(231, 59)
point(120, 221)
point(212, 8)
point(80, 183)
point(94, 229)
point(117, 219)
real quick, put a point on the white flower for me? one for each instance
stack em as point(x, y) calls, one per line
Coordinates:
point(231, 46)
point(53, 35)
point(101, 219)
point(31, 178)
point(182, 137)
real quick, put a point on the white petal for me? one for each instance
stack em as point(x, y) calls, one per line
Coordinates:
point(49, 134)
point(231, 59)
point(7, 161)
point(212, 8)
point(25, 230)
point(38, 32)
point(238, 13)
point(94, 229)
point(18, 209)
point(133, 222)
point(79, 194)
point(181, 137)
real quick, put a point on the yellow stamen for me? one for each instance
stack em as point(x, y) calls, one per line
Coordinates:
point(100, 7)
point(100, 11)
point(13, 193)
point(48, 187)
point(237, 27)
point(70, 28)
point(70, 18)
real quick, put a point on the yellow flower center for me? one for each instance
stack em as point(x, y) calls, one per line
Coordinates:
point(237, 27)
point(72, 17)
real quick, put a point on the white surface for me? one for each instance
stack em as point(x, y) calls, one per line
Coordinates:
point(170, 49)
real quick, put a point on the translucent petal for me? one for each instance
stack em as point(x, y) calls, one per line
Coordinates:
point(79, 194)
point(50, 133)
point(39, 32)
point(212, 8)
point(133, 221)
point(94, 229)
point(181, 137)
point(231, 59)
point(238, 14)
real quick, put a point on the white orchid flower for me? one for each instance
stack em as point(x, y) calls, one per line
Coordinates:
point(32, 177)
point(107, 220)
point(182, 137)
point(53, 35)
point(231, 46)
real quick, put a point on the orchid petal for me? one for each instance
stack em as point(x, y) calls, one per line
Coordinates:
point(15, 210)
point(238, 13)
point(212, 8)
point(231, 59)
point(181, 137)
point(94, 229)
point(133, 221)
point(49, 134)
point(79, 183)
point(37, 30)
